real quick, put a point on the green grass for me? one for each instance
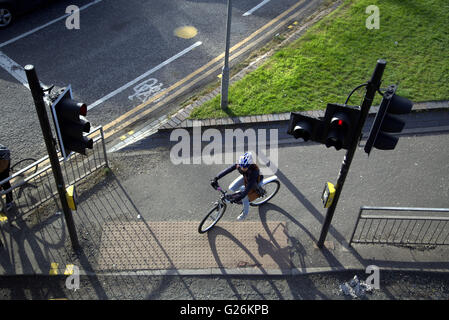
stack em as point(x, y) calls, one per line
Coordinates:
point(339, 53)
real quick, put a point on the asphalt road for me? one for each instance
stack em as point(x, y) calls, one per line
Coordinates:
point(394, 285)
point(123, 53)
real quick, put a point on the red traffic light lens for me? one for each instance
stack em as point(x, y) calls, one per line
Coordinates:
point(83, 109)
point(340, 122)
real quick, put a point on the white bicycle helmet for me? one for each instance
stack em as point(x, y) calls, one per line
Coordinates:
point(245, 160)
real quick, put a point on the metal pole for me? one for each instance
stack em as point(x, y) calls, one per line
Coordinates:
point(372, 87)
point(355, 227)
point(38, 97)
point(104, 147)
point(225, 71)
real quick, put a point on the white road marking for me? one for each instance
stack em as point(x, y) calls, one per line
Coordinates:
point(145, 90)
point(15, 69)
point(143, 76)
point(255, 8)
point(45, 25)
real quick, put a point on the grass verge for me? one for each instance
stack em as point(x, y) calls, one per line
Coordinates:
point(340, 52)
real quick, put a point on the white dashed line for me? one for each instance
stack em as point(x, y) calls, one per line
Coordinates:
point(247, 13)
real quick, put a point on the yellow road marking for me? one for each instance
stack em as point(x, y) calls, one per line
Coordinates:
point(191, 75)
point(3, 217)
point(186, 32)
point(68, 269)
point(54, 268)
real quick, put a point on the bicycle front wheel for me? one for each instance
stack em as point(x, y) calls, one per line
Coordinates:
point(269, 191)
point(212, 217)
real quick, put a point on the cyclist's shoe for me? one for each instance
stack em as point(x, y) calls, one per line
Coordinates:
point(242, 216)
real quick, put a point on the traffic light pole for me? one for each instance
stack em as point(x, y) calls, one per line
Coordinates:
point(372, 86)
point(225, 71)
point(38, 97)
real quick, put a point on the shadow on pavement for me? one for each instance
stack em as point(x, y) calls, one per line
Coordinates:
point(108, 207)
point(218, 231)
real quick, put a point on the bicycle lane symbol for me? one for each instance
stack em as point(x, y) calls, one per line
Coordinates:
point(146, 89)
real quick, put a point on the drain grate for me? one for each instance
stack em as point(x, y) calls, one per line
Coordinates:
point(140, 245)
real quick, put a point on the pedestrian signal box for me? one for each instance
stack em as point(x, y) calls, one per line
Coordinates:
point(328, 194)
point(71, 197)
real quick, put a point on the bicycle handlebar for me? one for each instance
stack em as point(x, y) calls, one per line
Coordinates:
point(218, 188)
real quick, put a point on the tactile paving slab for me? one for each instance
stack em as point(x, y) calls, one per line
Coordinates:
point(140, 245)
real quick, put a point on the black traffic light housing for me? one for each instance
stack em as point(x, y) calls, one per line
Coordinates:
point(340, 122)
point(337, 129)
point(307, 128)
point(70, 128)
point(385, 122)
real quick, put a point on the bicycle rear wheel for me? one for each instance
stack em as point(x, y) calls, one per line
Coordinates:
point(269, 191)
point(212, 217)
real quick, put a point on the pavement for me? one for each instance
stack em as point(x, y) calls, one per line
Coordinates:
point(141, 216)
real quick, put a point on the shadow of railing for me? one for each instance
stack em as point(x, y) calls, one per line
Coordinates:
point(120, 245)
point(34, 185)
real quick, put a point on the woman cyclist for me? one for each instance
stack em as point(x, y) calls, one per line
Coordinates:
point(246, 185)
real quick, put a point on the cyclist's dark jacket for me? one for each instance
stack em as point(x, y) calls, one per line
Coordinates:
point(251, 177)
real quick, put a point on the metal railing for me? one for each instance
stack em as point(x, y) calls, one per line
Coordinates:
point(34, 185)
point(400, 228)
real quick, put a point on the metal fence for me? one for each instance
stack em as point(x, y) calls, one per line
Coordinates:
point(34, 185)
point(405, 226)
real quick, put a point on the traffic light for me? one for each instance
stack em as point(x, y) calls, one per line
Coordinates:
point(386, 123)
point(304, 127)
point(340, 122)
point(69, 126)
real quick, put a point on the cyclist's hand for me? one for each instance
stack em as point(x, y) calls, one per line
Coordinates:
point(214, 183)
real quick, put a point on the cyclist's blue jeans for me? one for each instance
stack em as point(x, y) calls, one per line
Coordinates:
point(239, 185)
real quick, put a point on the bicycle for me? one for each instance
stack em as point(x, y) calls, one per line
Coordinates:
point(267, 189)
point(27, 168)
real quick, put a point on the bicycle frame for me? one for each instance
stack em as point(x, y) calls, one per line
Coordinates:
point(223, 195)
point(261, 184)
point(268, 180)
point(220, 206)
